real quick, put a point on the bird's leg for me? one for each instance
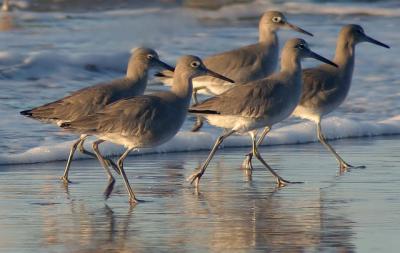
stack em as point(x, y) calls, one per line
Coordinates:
point(343, 166)
point(247, 164)
point(103, 162)
point(132, 198)
point(109, 189)
point(195, 177)
point(108, 161)
point(198, 124)
point(199, 120)
point(100, 157)
point(70, 157)
point(194, 94)
point(279, 180)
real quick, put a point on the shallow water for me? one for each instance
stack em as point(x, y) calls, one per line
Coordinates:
point(46, 55)
point(357, 211)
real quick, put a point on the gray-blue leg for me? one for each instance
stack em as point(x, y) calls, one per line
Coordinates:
point(120, 163)
point(342, 164)
point(195, 177)
point(279, 180)
point(70, 157)
point(247, 164)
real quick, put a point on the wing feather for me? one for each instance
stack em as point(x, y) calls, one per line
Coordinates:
point(254, 99)
point(318, 84)
point(79, 103)
point(130, 117)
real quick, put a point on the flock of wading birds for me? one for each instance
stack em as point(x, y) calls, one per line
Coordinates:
point(247, 95)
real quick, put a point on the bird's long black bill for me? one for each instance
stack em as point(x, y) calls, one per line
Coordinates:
point(212, 73)
point(298, 29)
point(164, 65)
point(323, 59)
point(374, 41)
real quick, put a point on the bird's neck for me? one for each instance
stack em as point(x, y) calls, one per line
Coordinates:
point(344, 57)
point(290, 72)
point(291, 65)
point(182, 87)
point(137, 72)
point(267, 35)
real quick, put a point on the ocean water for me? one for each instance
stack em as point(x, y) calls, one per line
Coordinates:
point(45, 55)
point(354, 212)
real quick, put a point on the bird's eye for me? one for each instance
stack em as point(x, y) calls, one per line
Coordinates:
point(195, 64)
point(150, 56)
point(301, 46)
point(276, 19)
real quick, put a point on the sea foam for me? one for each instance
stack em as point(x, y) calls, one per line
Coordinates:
point(184, 141)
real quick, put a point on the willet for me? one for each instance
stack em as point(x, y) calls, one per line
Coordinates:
point(145, 121)
point(247, 107)
point(244, 64)
point(325, 87)
point(88, 100)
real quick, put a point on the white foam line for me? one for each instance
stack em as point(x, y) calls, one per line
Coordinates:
point(304, 132)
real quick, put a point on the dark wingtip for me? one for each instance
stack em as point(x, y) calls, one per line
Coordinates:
point(65, 124)
point(26, 113)
point(160, 74)
point(202, 111)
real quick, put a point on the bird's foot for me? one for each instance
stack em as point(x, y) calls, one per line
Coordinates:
point(280, 182)
point(247, 165)
point(197, 125)
point(344, 167)
point(133, 201)
point(65, 180)
point(195, 177)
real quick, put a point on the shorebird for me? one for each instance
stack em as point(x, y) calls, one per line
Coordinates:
point(145, 121)
point(91, 99)
point(247, 107)
point(244, 64)
point(326, 87)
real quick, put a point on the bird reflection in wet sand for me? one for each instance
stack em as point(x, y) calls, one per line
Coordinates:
point(173, 173)
point(267, 222)
point(7, 22)
point(273, 221)
point(227, 215)
point(86, 230)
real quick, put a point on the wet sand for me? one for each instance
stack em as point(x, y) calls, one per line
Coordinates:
point(358, 211)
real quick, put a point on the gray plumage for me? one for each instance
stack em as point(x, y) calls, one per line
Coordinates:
point(145, 121)
point(246, 108)
point(89, 100)
point(94, 98)
point(255, 99)
point(325, 87)
point(246, 63)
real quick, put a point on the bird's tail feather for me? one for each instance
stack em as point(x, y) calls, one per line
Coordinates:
point(27, 113)
point(197, 111)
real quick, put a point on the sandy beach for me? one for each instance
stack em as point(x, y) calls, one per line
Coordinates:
point(354, 212)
